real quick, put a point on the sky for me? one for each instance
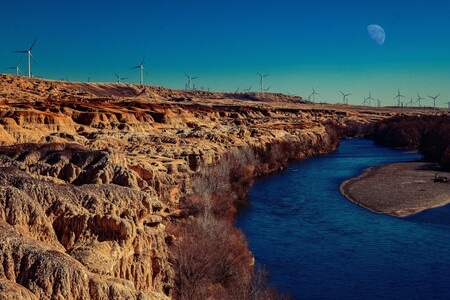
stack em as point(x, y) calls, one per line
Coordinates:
point(301, 43)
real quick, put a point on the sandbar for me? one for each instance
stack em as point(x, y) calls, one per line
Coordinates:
point(398, 189)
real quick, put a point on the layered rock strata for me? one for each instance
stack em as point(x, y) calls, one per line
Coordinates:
point(91, 175)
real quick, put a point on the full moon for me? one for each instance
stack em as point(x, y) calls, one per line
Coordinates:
point(376, 33)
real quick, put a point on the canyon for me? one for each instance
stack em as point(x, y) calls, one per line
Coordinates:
point(102, 183)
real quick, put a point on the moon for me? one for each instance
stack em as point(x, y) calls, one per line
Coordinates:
point(376, 33)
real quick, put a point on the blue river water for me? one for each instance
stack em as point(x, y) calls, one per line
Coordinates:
point(316, 244)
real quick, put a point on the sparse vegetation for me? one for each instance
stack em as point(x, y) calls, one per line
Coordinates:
point(428, 134)
point(210, 256)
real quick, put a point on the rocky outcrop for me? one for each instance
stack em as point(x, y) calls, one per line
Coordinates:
point(89, 234)
point(92, 175)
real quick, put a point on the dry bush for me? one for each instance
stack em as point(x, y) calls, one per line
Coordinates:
point(211, 261)
point(402, 131)
point(435, 142)
point(428, 134)
point(222, 187)
point(210, 258)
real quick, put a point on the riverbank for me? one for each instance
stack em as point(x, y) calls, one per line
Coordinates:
point(318, 245)
point(399, 189)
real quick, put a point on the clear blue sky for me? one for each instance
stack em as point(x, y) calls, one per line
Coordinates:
point(301, 43)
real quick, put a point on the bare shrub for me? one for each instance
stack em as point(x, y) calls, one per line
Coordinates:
point(209, 257)
point(222, 187)
point(428, 134)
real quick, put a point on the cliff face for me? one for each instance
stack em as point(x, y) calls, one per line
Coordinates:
point(91, 175)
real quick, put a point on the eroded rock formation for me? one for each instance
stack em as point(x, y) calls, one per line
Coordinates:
point(91, 175)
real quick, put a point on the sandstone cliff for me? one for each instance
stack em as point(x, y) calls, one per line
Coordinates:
point(91, 176)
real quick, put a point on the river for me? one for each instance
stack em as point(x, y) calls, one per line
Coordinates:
point(318, 245)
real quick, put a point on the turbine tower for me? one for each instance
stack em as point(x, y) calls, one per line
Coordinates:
point(419, 98)
point(141, 69)
point(370, 99)
point(189, 83)
point(434, 99)
point(344, 98)
point(399, 97)
point(313, 95)
point(30, 56)
point(119, 79)
point(261, 81)
point(16, 67)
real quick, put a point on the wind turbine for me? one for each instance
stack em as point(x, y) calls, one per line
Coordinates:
point(365, 101)
point(237, 90)
point(189, 84)
point(313, 94)
point(398, 97)
point(370, 99)
point(119, 79)
point(434, 99)
point(141, 69)
point(261, 80)
point(28, 52)
point(344, 97)
point(419, 98)
point(378, 103)
point(16, 67)
point(411, 102)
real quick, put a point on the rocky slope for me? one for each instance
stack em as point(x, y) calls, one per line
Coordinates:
point(93, 174)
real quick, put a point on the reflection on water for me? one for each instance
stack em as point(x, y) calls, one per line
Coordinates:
point(318, 245)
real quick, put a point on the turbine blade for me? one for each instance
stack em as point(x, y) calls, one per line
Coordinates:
point(143, 60)
point(32, 45)
point(195, 77)
point(266, 75)
point(32, 58)
point(21, 51)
